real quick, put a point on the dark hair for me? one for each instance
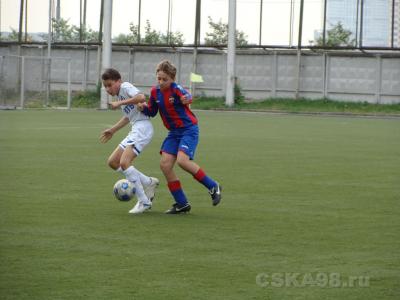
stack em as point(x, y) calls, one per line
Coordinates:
point(168, 68)
point(111, 74)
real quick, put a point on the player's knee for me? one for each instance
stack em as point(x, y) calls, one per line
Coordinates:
point(165, 166)
point(182, 160)
point(124, 164)
point(113, 164)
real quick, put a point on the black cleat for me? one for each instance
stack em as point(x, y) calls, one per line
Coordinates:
point(215, 193)
point(177, 209)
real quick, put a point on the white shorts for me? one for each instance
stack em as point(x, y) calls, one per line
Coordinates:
point(139, 137)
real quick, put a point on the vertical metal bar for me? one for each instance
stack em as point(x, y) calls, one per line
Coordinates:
point(21, 19)
point(179, 66)
point(132, 65)
point(84, 13)
point(26, 21)
point(58, 10)
point(327, 77)
point(139, 17)
point(49, 32)
point(324, 25)
point(291, 23)
point(0, 19)
point(22, 87)
point(49, 55)
point(324, 93)
point(80, 21)
point(169, 22)
point(230, 68)
point(85, 67)
point(357, 21)
point(361, 23)
point(98, 62)
point(192, 86)
point(392, 39)
point(300, 37)
point(261, 13)
point(298, 75)
point(107, 48)
point(2, 75)
point(274, 74)
point(378, 78)
point(197, 24)
point(101, 21)
point(69, 84)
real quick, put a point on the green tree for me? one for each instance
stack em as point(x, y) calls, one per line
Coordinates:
point(151, 36)
point(155, 37)
point(64, 32)
point(13, 36)
point(219, 34)
point(130, 38)
point(337, 36)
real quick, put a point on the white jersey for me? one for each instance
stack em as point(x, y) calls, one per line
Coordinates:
point(126, 91)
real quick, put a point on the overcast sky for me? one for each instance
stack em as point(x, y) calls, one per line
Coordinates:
point(275, 29)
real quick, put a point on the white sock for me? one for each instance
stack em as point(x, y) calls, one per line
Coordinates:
point(145, 180)
point(119, 170)
point(132, 175)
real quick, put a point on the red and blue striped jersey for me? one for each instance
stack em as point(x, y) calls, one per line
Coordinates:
point(173, 113)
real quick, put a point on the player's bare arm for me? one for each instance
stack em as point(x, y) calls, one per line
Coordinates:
point(139, 98)
point(107, 134)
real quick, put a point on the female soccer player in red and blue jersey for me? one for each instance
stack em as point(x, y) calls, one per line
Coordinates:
point(172, 102)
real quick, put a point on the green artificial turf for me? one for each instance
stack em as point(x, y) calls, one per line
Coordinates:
point(302, 106)
point(306, 195)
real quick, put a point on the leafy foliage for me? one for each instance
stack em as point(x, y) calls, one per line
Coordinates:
point(337, 36)
point(219, 34)
point(13, 36)
point(64, 32)
point(151, 36)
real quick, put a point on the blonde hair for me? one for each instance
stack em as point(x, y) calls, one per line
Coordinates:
point(167, 67)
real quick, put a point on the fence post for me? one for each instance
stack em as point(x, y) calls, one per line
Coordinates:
point(378, 78)
point(324, 75)
point(327, 72)
point(69, 85)
point(274, 73)
point(22, 91)
point(85, 67)
point(2, 85)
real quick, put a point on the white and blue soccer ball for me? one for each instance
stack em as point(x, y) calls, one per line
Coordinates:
point(124, 190)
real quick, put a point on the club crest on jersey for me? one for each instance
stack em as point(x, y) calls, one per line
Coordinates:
point(171, 99)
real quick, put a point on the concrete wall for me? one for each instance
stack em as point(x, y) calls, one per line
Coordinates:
point(261, 74)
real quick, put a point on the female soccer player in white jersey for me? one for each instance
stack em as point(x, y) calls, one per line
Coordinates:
point(138, 138)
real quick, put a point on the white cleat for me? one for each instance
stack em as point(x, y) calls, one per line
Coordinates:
point(150, 189)
point(140, 208)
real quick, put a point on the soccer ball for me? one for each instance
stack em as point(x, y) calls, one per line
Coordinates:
point(124, 190)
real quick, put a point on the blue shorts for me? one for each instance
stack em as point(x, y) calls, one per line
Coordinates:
point(181, 139)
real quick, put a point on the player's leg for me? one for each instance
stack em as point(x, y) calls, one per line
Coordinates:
point(167, 163)
point(140, 137)
point(115, 158)
point(187, 149)
point(132, 175)
point(133, 145)
point(198, 173)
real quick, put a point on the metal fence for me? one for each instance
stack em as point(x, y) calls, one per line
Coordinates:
point(35, 81)
point(373, 24)
point(344, 76)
